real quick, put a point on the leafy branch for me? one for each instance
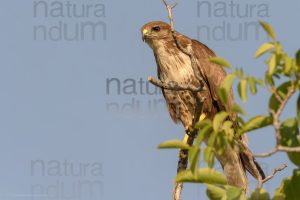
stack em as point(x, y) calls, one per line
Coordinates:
point(220, 132)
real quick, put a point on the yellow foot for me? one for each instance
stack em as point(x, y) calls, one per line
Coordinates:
point(188, 129)
point(202, 117)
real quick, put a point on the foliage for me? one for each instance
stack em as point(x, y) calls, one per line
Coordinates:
point(281, 80)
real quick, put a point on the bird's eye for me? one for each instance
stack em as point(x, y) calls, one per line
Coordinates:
point(156, 28)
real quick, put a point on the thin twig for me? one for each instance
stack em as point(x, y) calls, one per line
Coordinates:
point(289, 149)
point(277, 96)
point(170, 13)
point(275, 171)
point(266, 154)
point(279, 148)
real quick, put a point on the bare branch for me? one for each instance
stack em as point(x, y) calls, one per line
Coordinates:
point(267, 154)
point(275, 171)
point(174, 85)
point(177, 191)
point(289, 149)
point(170, 13)
point(279, 148)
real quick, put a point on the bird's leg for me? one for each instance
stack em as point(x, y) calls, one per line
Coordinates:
point(188, 131)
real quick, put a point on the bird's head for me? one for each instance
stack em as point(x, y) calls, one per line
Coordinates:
point(153, 32)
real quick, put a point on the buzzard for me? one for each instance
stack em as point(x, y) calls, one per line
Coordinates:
point(175, 65)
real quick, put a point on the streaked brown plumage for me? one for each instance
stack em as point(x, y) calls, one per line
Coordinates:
point(174, 65)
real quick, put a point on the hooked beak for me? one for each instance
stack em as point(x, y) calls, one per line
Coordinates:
point(144, 34)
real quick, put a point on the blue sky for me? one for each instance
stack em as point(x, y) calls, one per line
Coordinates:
point(54, 105)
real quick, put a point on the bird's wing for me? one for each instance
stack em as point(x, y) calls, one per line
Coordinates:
point(212, 74)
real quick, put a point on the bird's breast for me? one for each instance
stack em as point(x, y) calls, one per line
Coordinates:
point(174, 66)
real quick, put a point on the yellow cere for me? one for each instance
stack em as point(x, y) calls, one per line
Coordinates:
point(145, 31)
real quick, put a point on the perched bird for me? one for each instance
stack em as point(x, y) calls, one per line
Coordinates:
point(175, 65)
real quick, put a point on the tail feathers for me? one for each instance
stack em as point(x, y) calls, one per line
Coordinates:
point(246, 157)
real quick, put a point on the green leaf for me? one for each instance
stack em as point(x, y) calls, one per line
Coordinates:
point(282, 90)
point(219, 119)
point(241, 120)
point(259, 194)
point(228, 82)
point(278, 196)
point(205, 175)
point(239, 73)
point(174, 144)
point(223, 94)
point(215, 192)
point(289, 188)
point(252, 85)
point(289, 131)
point(269, 79)
point(272, 65)
point(225, 89)
point(263, 49)
point(288, 65)
point(298, 57)
point(202, 133)
point(224, 193)
point(268, 28)
point(194, 152)
point(209, 156)
point(220, 61)
point(260, 82)
point(203, 123)
point(256, 123)
point(298, 110)
point(242, 89)
point(212, 138)
point(233, 193)
point(238, 109)
point(227, 126)
point(195, 156)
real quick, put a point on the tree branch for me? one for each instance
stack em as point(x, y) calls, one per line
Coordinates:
point(170, 13)
point(276, 115)
point(275, 171)
point(266, 154)
point(276, 123)
point(277, 96)
point(174, 85)
point(278, 148)
point(289, 149)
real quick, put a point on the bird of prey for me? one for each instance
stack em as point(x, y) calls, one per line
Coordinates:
point(175, 65)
